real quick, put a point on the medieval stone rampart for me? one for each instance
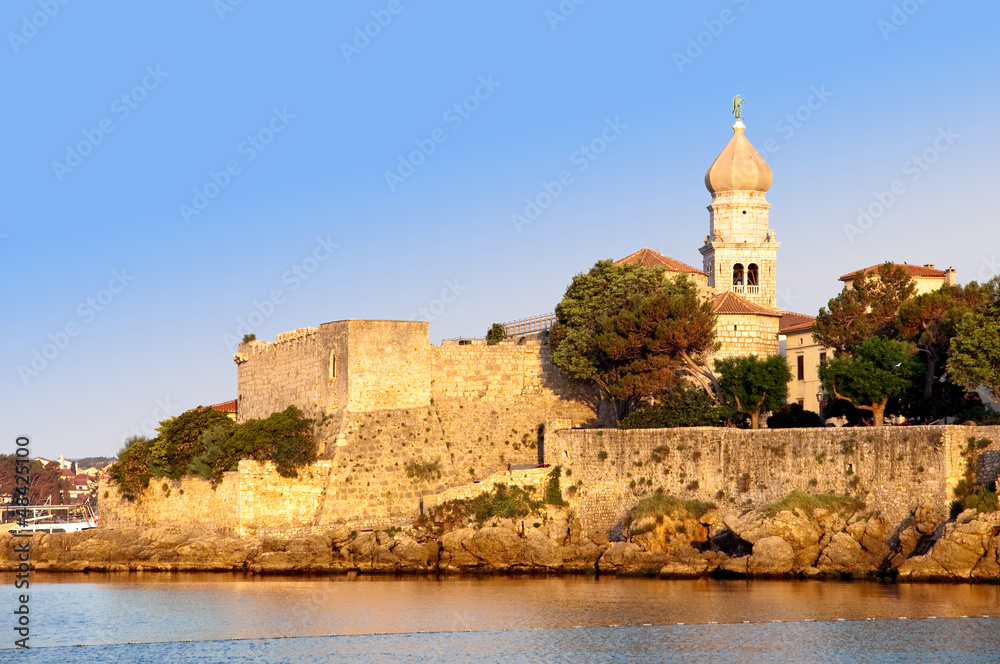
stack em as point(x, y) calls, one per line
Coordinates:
point(605, 472)
point(893, 469)
point(190, 502)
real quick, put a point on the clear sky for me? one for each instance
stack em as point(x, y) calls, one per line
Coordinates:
point(173, 169)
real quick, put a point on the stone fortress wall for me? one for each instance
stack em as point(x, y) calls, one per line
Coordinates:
point(892, 469)
point(403, 419)
point(604, 473)
point(408, 424)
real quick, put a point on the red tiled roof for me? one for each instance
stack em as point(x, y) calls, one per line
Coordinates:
point(650, 258)
point(793, 322)
point(731, 303)
point(912, 270)
point(224, 407)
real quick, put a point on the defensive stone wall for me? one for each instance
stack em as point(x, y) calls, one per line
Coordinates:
point(393, 467)
point(288, 371)
point(893, 470)
point(174, 505)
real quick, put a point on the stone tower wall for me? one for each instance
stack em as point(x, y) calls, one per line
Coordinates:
point(746, 335)
point(738, 216)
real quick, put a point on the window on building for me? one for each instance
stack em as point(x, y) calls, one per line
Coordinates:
point(752, 275)
point(822, 357)
point(802, 403)
point(738, 274)
point(802, 367)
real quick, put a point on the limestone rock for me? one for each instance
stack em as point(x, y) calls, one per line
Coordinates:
point(454, 555)
point(772, 556)
point(736, 566)
point(842, 554)
point(540, 551)
point(497, 548)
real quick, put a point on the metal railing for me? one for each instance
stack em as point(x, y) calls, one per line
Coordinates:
point(538, 323)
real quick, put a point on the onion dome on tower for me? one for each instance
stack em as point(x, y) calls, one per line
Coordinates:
point(739, 167)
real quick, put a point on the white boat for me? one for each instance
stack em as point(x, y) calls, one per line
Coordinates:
point(49, 518)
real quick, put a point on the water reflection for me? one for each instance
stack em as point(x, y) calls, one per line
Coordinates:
point(120, 608)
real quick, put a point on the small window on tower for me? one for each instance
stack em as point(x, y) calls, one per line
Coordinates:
point(752, 274)
point(333, 364)
point(744, 211)
point(738, 274)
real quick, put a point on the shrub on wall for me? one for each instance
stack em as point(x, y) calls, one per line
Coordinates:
point(495, 334)
point(206, 443)
point(686, 406)
point(553, 491)
point(131, 471)
point(179, 441)
point(794, 416)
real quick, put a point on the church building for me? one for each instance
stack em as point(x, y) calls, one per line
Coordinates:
point(739, 254)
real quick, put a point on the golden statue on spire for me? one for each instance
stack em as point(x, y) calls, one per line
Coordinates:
point(738, 102)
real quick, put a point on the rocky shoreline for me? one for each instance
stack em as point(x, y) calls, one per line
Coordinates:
point(792, 543)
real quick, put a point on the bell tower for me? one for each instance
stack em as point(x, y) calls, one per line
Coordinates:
point(740, 250)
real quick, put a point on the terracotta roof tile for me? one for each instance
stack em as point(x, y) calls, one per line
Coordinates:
point(912, 270)
point(731, 303)
point(650, 258)
point(793, 322)
point(224, 407)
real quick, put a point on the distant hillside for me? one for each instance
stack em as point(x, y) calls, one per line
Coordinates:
point(99, 461)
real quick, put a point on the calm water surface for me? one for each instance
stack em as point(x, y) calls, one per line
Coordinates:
point(207, 617)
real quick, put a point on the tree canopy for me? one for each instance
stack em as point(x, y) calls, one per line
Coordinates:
point(752, 385)
point(684, 406)
point(631, 331)
point(794, 416)
point(495, 334)
point(975, 353)
point(205, 445)
point(868, 308)
point(45, 482)
point(930, 321)
point(877, 370)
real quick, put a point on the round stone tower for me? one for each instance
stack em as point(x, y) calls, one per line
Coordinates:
point(740, 251)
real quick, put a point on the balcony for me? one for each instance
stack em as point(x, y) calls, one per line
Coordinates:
point(746, 290)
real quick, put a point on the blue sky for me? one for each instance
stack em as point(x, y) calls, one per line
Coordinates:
point(173, 170)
